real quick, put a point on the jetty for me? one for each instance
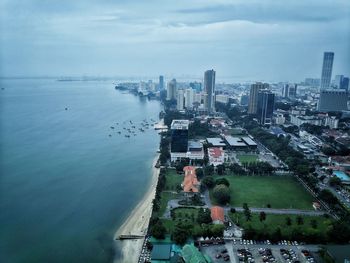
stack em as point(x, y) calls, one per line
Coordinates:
point(126, 237)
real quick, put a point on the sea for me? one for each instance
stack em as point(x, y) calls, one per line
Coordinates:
point(67, 179)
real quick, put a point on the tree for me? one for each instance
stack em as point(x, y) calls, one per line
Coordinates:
point(199, 173)
point(220, 169)
point(221, 194)
point(222, 181)
point(217, 230)
point(247, 212)
point(204, 216)
point(233, 210)
point(181, 232)
point(300, 220)
point(208, 181)
point(313, 223)
point(334, 181)
point(262, 216)
point(209, 170)
point(288, 221)
point(158, 230)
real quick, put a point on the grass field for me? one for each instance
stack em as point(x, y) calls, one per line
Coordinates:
point(258, 191)
point(247, 158)
point(172, 180)
point(186, 215)
point(164, 199)
point(273, 221)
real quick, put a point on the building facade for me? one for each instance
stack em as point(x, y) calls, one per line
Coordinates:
point(180, 100)
point(265, 107)
point(253, 96)
point(179, 139)
point(333, 100)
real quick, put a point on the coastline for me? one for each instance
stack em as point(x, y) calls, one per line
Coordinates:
point(137, 222)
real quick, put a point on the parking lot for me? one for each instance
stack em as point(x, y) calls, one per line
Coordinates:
point(237, 251)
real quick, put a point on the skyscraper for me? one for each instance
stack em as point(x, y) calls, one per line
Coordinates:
point(180, 100)
point(327, 66)
point(189, 98)
point(171, 90)
point(266, 102)
point(344, 84)
point(209, 89)
point(253, 96)
point(161, 82)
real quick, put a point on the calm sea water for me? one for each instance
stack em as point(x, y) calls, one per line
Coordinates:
point(65, 185)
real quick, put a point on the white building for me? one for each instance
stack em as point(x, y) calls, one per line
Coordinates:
point(280, 119)
point(189, 98)
point(180, 100)
point(332, 122)
point(222, 98)
point(216, 156)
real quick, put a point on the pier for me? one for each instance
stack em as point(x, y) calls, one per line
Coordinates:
point(128, 237)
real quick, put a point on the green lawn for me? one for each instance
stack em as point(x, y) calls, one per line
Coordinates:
point(247, 158)
point(164, 199)
point(274, 221)
point(258, 191)
point(186, 215)
point(172, 180)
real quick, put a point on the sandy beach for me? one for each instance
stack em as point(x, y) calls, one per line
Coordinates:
point(137, 222)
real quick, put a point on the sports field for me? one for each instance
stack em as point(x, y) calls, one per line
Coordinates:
point(259, 191)
point(173, 180)
point(247, 158)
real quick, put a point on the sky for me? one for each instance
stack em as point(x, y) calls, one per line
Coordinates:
point(271, 40)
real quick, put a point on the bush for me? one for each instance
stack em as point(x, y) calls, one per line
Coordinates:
point(222, 181)
point(222, 194)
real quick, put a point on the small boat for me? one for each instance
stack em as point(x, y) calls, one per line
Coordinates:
point(119, 132)
point(112, 127)
point(66, 108)
point(128, 136)
point(110, 135)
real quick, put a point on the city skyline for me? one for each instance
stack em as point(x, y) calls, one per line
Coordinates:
point(133, 38)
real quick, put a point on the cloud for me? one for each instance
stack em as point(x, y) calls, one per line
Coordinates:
point(253, 38)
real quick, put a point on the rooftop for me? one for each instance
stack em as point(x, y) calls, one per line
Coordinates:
point(215, 152)
point(190, 183)
point(235, 141)
point(217, 213)
point(249, 141)
point(216, 141)
point(180, 124)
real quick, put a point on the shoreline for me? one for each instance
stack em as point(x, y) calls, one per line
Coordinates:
point(137, 222)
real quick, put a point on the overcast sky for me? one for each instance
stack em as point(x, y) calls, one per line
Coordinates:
point(244, 40)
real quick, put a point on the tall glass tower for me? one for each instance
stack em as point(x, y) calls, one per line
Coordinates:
point(327, 70)
point(209, 89)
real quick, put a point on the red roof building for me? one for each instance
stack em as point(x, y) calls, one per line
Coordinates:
point(190, 183)
point(217, 215)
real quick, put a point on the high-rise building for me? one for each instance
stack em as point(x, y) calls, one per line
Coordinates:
point(327, 66)
point(189, 98)
point(209, 89)
point(179, 139)
point(266, 102)
point(180, 100)
point(161, 82)
point(197, 86)
point(253, 96)
point(244, 100)
point(344, 84)
point(171, 90)
point(337, 80)
point(292, 90)
point(333, 100)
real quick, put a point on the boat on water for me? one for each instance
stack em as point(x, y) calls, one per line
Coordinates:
point(112, 127)
point(128, 136)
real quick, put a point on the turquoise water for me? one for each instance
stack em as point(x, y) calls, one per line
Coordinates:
point(341, 175)
point(65, 185)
